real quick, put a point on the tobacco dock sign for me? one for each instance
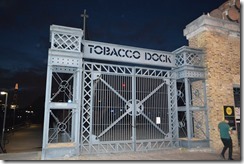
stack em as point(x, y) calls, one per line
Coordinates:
point(113, 52)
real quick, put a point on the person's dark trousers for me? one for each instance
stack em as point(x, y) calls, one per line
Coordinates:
point(227, 144)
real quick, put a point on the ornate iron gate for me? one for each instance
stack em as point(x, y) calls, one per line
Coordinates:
point(127, 109)
point(96, 107)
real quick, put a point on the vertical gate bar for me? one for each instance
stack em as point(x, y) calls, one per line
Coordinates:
point(169, 112)
point(109, 112)
point(77, 99)
point(121, 136)
point(134, 109)
point(47, 111)
point(115, 106)
point(152, 110)
point(142, 83)
point(159, 108)
point(100, 108)
point(152, 135)
point(175, 107)
point(150, 105)
point(111, 108)
point(73, 100)
point(114, 110)
point(103, 116)
point(110, 132)
point(106, 111)
point(108, 115)
point(128, 128)
point(164, 108)
point(95, 106)
point(123, 123)
point(206, 108)
point(187, 110)
point(190, 104)
point(91, 110)
point(126, 122)
point(166, 94)
point(82, 110)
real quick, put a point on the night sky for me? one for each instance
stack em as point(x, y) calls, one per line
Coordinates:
point(24, 32)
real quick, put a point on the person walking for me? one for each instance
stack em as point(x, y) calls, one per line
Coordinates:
point(225, 131)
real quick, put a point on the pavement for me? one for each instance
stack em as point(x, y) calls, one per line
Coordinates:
point(178, 154)
point(25, 144)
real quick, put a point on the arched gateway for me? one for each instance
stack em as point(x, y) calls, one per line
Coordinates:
point(103, 98)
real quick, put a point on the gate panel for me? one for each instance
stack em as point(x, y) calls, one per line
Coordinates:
point(157, 124)
point(152, 121)
point(105, 121)
point(111, 120)
point(127, 109)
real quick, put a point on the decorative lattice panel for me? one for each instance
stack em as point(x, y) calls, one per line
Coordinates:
point(186, 56)
point(64, 38)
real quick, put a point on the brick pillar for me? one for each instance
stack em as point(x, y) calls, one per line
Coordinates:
point(221, 41)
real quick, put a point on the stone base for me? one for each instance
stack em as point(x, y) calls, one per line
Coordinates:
point(194, 143)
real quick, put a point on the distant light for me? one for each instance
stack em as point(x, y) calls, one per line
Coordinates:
point(69, 101)
point(13, 106)
point(16, 86)
point(4, 93)
point(123, 84)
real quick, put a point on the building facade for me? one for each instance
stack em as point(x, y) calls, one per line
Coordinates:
point(220, 39)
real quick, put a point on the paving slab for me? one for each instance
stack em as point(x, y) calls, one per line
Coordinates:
point(179, 154)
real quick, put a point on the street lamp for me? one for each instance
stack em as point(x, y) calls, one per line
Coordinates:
point(4, 117)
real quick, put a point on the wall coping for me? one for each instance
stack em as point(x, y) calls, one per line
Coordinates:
point(208, 23)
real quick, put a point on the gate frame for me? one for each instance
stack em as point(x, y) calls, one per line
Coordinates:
point(64, 56)
point(189, 62)
point(87, 146)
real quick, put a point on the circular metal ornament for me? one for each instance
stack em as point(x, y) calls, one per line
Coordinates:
point(139, 107)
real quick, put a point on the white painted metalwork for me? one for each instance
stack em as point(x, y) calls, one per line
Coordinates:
point(186, 56)
point(120, 108)
point(93, 107)
point(127, 54)
point(61, 132)
point(193, 124)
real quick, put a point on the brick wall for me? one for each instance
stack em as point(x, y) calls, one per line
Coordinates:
point(222, 62)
